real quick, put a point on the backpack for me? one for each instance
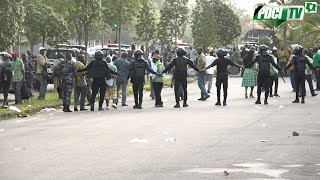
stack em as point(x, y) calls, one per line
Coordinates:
point(25, 91)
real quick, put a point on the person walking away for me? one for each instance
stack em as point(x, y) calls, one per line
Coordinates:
point(17, 68)
point(158, 80)
point(180, 64)
point(264, 78)
point(41, 72)
point(28, 71)
point(202, 75)
point(137, 70)
point(316, 64)
point(123, 69)
point(249, 78)
point(67, 71)
point(274, 74)
point(300, 61)
point(80, 85)
point(56, 76)
point(5, 78)
point(111, 90)
point(222, 75)
point(210, 72)
point(309, 72)
point(283, 58)
point(100, 71)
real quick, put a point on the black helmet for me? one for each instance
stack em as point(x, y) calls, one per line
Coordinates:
point(138, 54)
point(298, 50)
point(263, 48)
point(98, 55)
point(181, 52)
point(221, 53)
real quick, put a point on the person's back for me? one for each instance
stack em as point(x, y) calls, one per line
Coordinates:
point(299, 62)
point(99, 69)
point(123, 68)
point(138, 69)
point(181, 67)
point(264, 63)
point(222, 66)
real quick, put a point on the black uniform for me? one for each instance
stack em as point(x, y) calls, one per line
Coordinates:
point(264, 59)
point(100, 71)
point(222, 76)
point(137, 70)
point(180, 76)
point(299, 61)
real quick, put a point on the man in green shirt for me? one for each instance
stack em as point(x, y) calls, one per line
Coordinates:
point(316, 64)
point(17, 68)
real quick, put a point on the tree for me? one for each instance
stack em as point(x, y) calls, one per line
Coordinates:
point(214, 24)
point(146, 26)
point(50, 26)
point(11, 13)
point(173, 20)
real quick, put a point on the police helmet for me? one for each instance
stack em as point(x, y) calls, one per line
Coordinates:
point(221, 53)
point(298, 50)
point(98, 55)
point(138, 54)
point(181, 52)
point(263, 48)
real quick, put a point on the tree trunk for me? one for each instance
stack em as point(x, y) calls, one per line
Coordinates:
point(86, 39)
point(79, 32)
point(285, 29)
point(43, 40)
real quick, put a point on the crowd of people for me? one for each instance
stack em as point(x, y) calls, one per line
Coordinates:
point(261, 66)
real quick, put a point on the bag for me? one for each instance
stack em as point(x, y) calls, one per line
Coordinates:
point(110, 82)
point(25, 91)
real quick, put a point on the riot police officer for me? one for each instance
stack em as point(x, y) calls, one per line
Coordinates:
point(101, 71)
point(299, 61)
point(137, 70)
point(180, 76)
point(264, 59)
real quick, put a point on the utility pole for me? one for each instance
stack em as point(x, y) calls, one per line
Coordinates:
point(120, 24)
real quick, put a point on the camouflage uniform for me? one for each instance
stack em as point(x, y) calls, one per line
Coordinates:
point(29, 73)
point(68, 71)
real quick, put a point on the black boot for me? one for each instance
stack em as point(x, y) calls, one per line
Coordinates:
point(136, 106)
point(177, 105)
point(296, 101)
point(258, 100)
point(100, 107)
point(140, 105)
point(92, 107)
point(185, 104)
point(302, 100)
point(225, 102)
point(64, 108)
point(67, 109)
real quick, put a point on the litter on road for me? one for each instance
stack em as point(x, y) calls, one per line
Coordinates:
point(226, 173)
point(171, 139)
point(137, 140)
point(264, 140)
point(280, 107)
point(295, 133)
point(13, 108)
point(46, 110)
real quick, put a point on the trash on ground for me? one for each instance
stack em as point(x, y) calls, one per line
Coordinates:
point(137, 140)
point(226, 173)
point(264, 140)
point(170, 139)
point(48, 110)
point(13, 108)
point(295, 133)
point(280, 107)
point(22, 115)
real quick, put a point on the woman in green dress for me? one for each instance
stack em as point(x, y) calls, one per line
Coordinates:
point(250, 74)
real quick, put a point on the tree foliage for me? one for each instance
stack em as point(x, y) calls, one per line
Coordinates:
point(146, 27)
point(11, 20)
point(214, 24)
point(50, 26)
point(173, 20)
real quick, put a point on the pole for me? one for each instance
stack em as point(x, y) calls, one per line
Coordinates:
point(120, 24)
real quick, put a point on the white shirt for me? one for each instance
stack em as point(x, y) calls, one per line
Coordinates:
point(192, 54)
point(209, 61)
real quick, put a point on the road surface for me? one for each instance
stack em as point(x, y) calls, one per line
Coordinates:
point(246, 140)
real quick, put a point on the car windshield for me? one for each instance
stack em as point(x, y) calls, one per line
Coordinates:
point(54, 54)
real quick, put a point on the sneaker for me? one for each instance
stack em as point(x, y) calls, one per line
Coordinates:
point(315, 94)
point(114, 106)
point(276, 95)
point(201, 99)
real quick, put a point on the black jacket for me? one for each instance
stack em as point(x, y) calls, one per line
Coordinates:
point(138, 68)
point(99, 69)
point(181, 67)
point(264, 60)
point(222, 66)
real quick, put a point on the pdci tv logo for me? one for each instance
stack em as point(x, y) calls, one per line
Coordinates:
point(284, 13)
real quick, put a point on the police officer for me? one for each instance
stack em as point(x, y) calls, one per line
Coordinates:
point(137, 70)
point(100, 71)
point(264, 77)
point(28, 71)
point(67, 71)
point(222, 64)
point(299, 61)
point(180, 76)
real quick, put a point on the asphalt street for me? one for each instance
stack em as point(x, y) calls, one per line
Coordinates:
point(202, 141)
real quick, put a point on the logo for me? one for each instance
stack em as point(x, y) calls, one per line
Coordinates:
point(284, 13)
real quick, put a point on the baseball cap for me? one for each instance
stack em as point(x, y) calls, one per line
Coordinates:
point(14, 53)
point(42, 48)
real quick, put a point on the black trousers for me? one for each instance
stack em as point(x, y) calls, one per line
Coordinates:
point(318, 78)
point(137, 87)
point(275, 82)
point(300, 78)
point(309, 80)
point(219, 82)
point(157, 86)
point(180, 83)
point(98, 83)
point(264, 81)
point(5, 88)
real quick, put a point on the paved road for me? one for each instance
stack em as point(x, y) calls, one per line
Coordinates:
point(209, 140)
